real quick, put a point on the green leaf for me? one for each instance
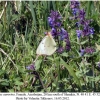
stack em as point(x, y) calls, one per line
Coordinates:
point(18, 87)
point(84, 42)
point(11, 90)
point(71, 72)
point(2, 72)
point(97, 78)
point(64, 54)
point(53, 84)
point(37, 64)
point(18, 83)
point(50, 58)
point(4, 83)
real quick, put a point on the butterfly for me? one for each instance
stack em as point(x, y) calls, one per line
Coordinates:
point(47, 46)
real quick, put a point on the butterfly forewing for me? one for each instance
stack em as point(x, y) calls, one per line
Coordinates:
point(50, 46)
point(47, 46)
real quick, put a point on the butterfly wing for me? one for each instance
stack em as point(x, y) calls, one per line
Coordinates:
point(47, 46)
point(41, 49)
point(50, 46)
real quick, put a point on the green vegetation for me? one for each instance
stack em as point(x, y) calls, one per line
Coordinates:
point(22, 27)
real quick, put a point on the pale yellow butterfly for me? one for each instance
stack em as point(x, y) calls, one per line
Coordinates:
point(47, 46)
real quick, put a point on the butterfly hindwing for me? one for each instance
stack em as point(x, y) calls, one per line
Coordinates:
point(50, 46)
point(40, 49)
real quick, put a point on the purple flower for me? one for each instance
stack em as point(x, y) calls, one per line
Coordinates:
point(77, 24)
point(75, 11)
point(30, 67)
point(54, 32)
point(91, 30)
point(86, 31)
point(86, 22)
point(89, 50)
point(75, 8)
point(81, 15)
point(58, 24)
point(57, 31)
point(63, 31)
point(74, 4)
point(55, 14)
point(68, 45)
point(63, 34)
point(54, 19)
point(60, 49)
point(82, 52)
point(79, 32)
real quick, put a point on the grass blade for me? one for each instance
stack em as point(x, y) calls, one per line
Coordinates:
point(71, 72)
point(33, 15)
